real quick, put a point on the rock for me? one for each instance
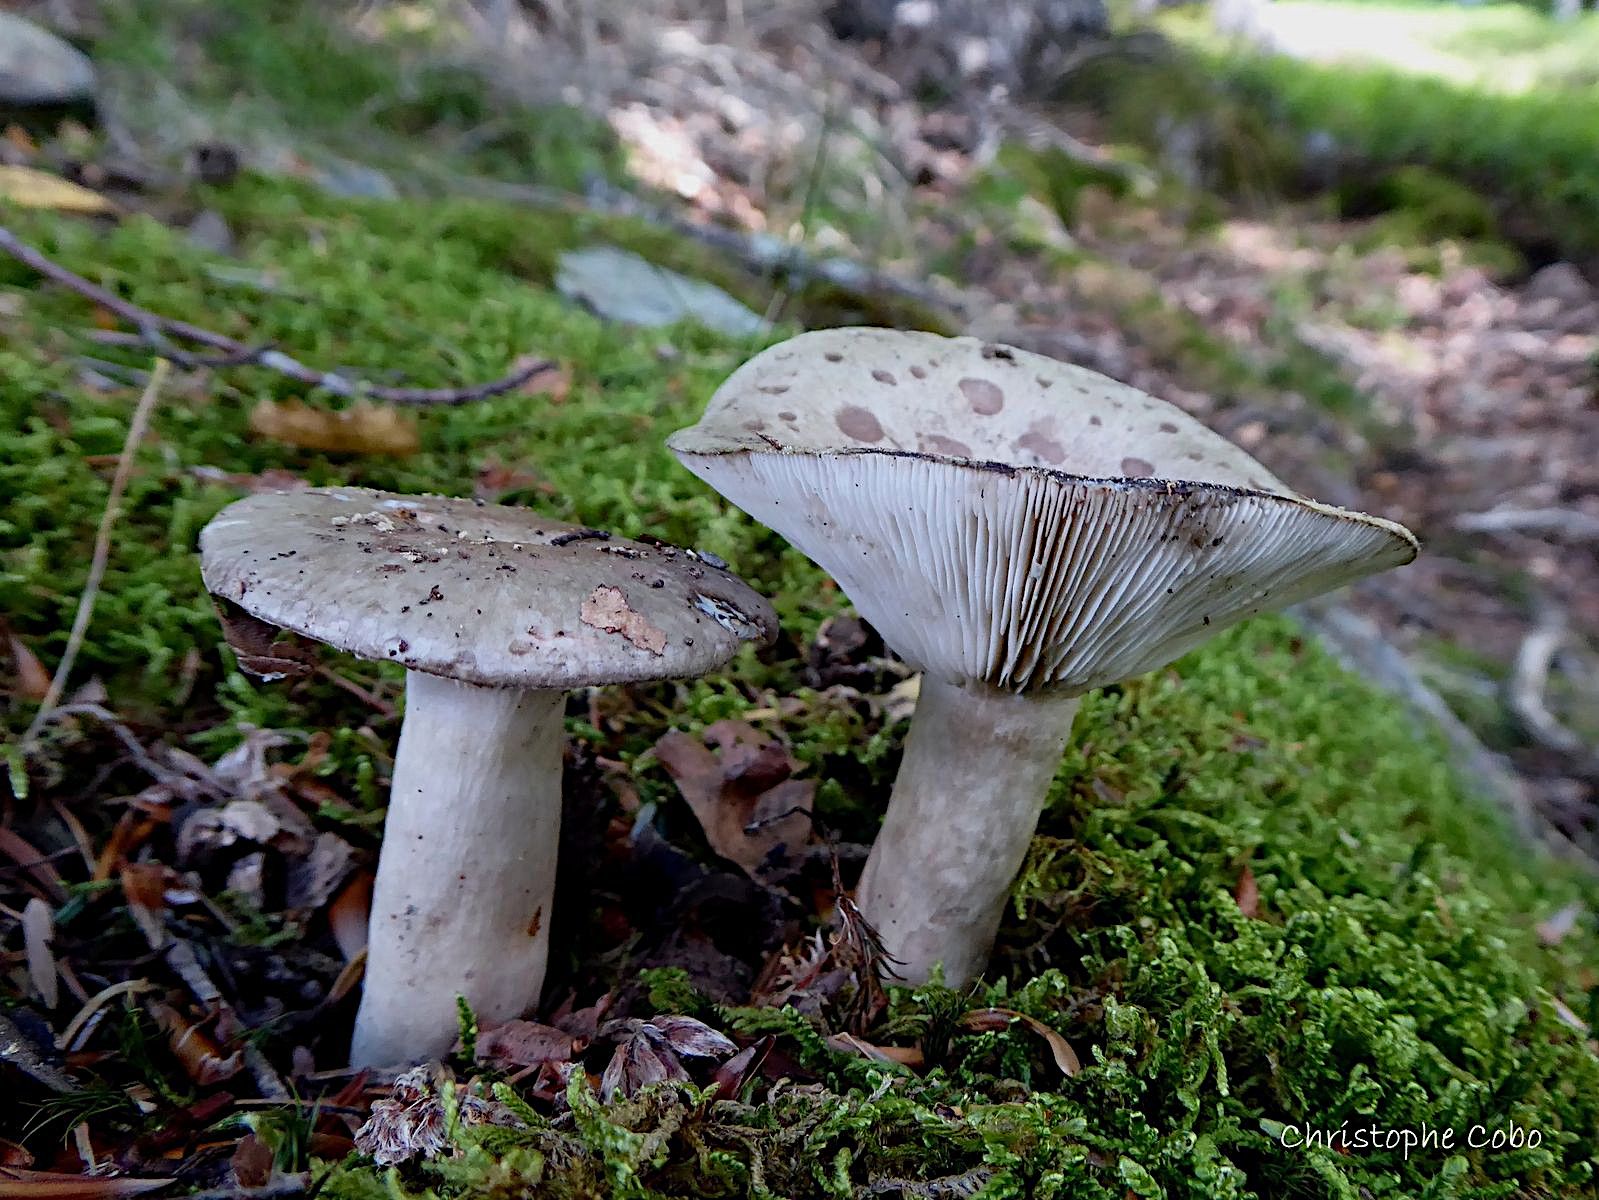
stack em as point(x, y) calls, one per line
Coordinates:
point(37, 68)
point(621, 286)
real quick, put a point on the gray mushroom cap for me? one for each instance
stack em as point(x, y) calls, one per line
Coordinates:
point(1006, 518)
point(485, 594)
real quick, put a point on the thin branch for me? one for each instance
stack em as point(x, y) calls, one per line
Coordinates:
point(102, 549)
point(157, 332)
point(1528, 682)
point(1566, 522)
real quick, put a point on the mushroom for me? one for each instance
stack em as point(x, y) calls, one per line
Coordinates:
point(1022, 530)
point(494, 612)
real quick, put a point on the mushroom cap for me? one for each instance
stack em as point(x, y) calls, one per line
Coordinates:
point(484, 594)
point(1006, 518)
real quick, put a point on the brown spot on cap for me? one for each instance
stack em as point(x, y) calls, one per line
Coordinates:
point(790, 417)
point(1095, 421)
point(983, 395)
point(937, 443)
point(776, 389)
point(1134, 468)
point(1038, 441)
point(1167, 427)
point(833, 356)
point(853, 421)
point(918, 372)
point(884, 377)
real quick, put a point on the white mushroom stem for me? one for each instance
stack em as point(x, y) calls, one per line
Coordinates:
point(461, 904)
point(977, 769)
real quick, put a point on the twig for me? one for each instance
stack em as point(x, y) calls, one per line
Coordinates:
point(157, 331)
point(1568, 522)
point(1527, 683)
point(102, 549)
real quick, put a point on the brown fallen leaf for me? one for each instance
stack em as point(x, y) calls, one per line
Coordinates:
point(526, 1044)
point(732, 1075)
point(744, 797)
point(28, 188)
point(607, 609)
point(349, 913)
point(904, 1056)
point(554, 381)
point(18, 1184)
point(359, 429)
point(994, 1020)
point(1247, 893)
point(262, 649)
point(252, 1162)
point(199, 1053)
point(32, 681)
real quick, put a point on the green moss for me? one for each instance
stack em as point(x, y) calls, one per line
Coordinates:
point(1391, 975)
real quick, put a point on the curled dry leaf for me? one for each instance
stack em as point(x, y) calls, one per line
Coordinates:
point(745, 799)
point(647, 1052)
point(994, 1020)
point(731, 1076)
point(359, 429)
point(607, 609)
point(203, 1059)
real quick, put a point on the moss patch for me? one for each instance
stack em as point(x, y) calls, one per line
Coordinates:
point(1388, 975)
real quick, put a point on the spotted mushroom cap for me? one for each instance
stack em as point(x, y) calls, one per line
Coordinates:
point(485, 594)
point(1008, 518)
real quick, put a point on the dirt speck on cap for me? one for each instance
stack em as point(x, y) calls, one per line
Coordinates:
point(606, 608)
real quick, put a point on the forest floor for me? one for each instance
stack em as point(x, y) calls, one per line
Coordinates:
point(1263, 896)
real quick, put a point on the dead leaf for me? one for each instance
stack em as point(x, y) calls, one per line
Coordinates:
point(744, 798)
point(314, 878)
point(252, 1162)
point(904, 1056)
point(262, 649)
point(38, 931)
point(686, 1035)
point(17, 1184)
point(1247, 893)
point(526, 1044)
point(20, 851)
point(32, 680)
point(554, 381)
point(359, 429)
point(28, 188)
point(994, 1020)
point(731, 1076)
point(349, 913)
point(1553, 931)
point(200, 1055)
point(606, 609)
point(494, 481)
